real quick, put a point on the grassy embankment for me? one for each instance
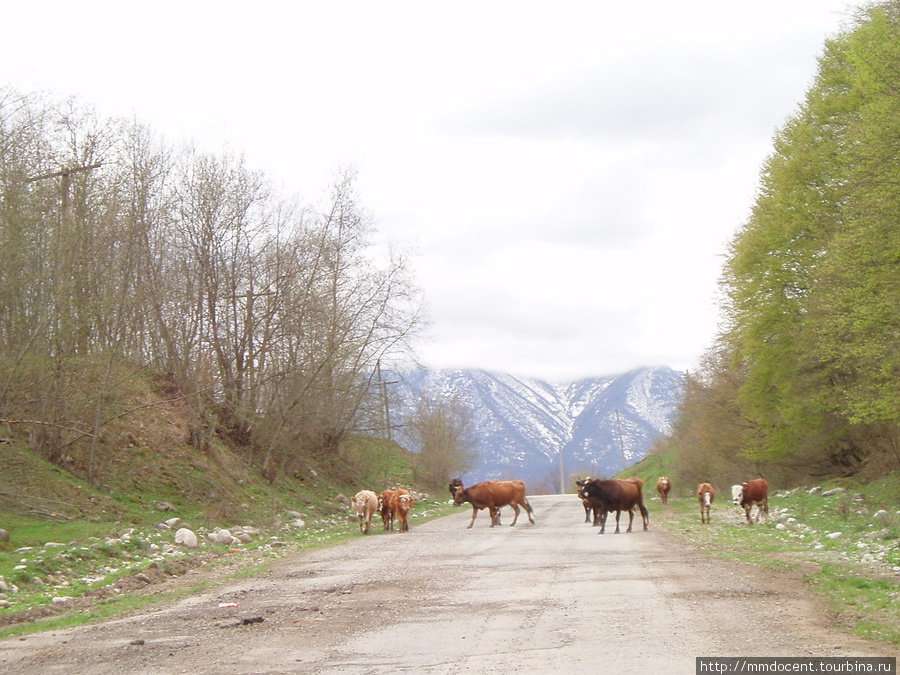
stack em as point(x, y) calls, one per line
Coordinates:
point(847, 544)
point(78, 553)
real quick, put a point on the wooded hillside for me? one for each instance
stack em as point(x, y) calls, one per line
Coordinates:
point(804, 379)
point(122, 256)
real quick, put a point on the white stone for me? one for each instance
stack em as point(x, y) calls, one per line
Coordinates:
point(186, 538)
point(835, 535)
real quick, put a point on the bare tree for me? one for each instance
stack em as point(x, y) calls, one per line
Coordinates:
point(443, 431)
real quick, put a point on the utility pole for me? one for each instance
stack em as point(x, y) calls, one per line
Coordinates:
point(621, 442)
point(562, 475)
point(385, 404)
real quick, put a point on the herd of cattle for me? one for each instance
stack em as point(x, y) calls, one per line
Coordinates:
point(599, 498)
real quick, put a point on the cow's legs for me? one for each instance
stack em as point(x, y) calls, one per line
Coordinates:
point(603, 515)
point(515, 508)
point(630, 519)
point(474, 513)
point(618, 514)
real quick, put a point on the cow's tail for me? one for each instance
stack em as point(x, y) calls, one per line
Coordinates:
point(529, 510)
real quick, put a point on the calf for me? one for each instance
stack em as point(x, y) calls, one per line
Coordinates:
point(492, 495)
point(386, 510)
point(366, 504)
point(588, 509)
point(663, 485)
point(401, 503)
point(705, 495)
point(752, 492)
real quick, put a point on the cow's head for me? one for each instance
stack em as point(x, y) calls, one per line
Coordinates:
point(455, 484)
point(461, 495)
point(737, 494)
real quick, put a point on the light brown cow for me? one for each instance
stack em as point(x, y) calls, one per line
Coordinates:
point(386, 510)
point(705, 495)
point(752, 492)
point(663, 485)
point(401, 503)
point(492, 495)
point(457, 483)
point(366, 504)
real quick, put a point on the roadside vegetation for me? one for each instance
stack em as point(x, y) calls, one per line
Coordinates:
point(841, 536)
point(77, 554)
point(800, 387)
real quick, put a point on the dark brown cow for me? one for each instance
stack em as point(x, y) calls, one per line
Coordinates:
point(705, 495)
point(618, 496)
point(752, 492)
point(492, 495)
point(401, 503)
point(387, 512)
point(663, 485)
point(455, 484)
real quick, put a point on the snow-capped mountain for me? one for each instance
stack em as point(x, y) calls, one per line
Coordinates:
point(523, 426)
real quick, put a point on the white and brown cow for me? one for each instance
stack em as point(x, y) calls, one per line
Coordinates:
point(663, 485)
point(753, 492)
point(706, 493)
point(365, 503)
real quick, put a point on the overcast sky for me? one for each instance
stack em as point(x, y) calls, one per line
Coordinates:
point(568, 173)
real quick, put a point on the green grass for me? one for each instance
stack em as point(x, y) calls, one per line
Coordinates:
point(88, 562)
point(857, 574)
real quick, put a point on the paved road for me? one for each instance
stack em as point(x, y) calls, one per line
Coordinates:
point(554, 597)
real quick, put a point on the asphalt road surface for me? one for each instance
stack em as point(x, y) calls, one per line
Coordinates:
point(553, 597)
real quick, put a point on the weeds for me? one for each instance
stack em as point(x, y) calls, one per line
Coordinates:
point(852, 537)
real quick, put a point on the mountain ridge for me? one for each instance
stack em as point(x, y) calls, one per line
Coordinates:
point(524, 425)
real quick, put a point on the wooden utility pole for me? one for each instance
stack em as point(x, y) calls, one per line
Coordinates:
point(385, 404)
point(562, 475)
point(621, 442)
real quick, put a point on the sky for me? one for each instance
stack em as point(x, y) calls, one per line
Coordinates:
point(567, 175)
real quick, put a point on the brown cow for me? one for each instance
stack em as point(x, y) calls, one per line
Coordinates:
point(752, 492)
point(492, 495)
point(618, 496)
point(663, 485)
point(705, 495)
point(401, 503)
point(384, 506)
point(457, 483)
point(366, 504)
